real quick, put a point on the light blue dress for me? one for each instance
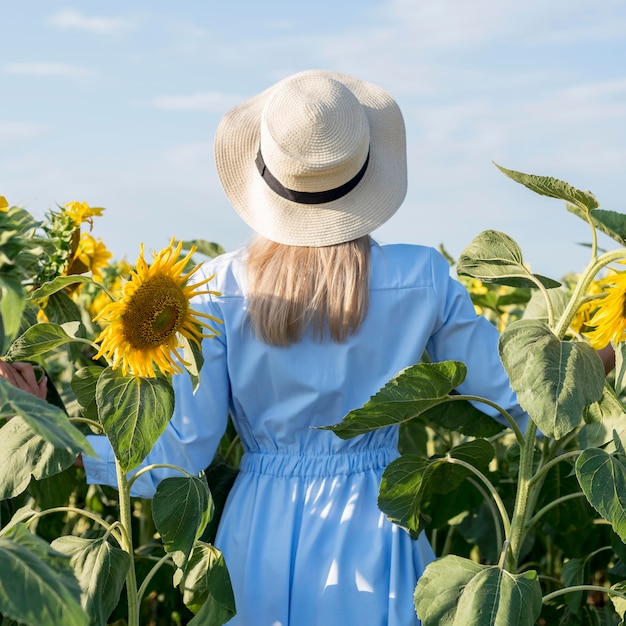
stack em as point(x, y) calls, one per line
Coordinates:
point(301, 533)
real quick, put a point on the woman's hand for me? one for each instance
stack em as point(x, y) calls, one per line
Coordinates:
point(24, 377)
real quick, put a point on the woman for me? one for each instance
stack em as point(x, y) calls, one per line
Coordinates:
point(317, 317)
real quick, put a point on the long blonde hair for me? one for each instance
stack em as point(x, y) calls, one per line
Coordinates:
point(292, 288)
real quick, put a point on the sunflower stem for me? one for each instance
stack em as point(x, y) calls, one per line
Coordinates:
point(127, 544)
point(581, 288)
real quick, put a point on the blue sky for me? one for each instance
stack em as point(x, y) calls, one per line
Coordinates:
point(116, 104)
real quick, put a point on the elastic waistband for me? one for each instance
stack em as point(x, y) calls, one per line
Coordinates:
point(331, 464)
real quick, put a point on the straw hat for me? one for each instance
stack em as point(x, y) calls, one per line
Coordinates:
point(315, 160)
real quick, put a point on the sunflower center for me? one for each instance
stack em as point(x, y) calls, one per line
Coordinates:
point(155, 312)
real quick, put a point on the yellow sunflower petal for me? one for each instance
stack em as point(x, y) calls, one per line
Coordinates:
point(141, 329)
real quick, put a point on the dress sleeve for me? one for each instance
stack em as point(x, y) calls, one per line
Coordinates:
point(192, 435)
point(462, 335)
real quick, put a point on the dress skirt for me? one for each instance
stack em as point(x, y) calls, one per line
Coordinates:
point(306, 544)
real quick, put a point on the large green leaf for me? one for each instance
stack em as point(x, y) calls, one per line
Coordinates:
point(494, 257)
point(537, 308)
point(454, 591)
point(181, 509)
point(463, 417)
point(45, 419)
point(554, 380)
point(133, 411)
point(402, 491)
point(60, 283)
point(610, 223)
point(37, 584)
point(60, 309)
point(574, 573)
point(553, 188)
point(193, 359)
point(12, 302)
point(101, 571)
point(206, 587)
point(40, 339)
point(407, 395)
point(604, 420)
point(602, 478)
point(408, 481)
point(84, 383)
point(25, 455)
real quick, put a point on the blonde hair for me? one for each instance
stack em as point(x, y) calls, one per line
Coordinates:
point(292, 288)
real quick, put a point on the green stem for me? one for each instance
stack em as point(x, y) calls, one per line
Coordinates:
point(509, 418)
point(520, 510)
point(83, 420)
point(447, 544)
point(149, 468)
point(560, 592)
point(549, 305)
point(127, 546)
point(581, 288)
point(155, 568)
point(594, 233)
point(72, 509)
point(506, 523)
point(550, 464)
point(533, 520)
point(231, 448)
point(492, 507)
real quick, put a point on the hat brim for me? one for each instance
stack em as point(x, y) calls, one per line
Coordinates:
point(377, 196)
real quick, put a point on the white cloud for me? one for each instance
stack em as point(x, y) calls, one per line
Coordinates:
point(75, 20)
point(210, 101)
point(46, 69)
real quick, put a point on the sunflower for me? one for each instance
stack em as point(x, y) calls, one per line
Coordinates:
point(81, 212)
point(4, 205)
point(143, 328)
point(609, 319)
point(91, 256)
point(582, 319)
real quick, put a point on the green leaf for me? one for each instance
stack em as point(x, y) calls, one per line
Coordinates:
point(207, 248)
point(409, 481)
point(494, 257)
point(454, 591)
point(193, 360)
point(610, 223)
point(25, 455)
point(602, 478)
point(603, 418)
point(619, 603)
point(554, 380)
point(407, 395)
point(206, 587)
point(537, 308)
point(83, 385)
point(60, 308)
point(181, 509)
point(40, 339)
point(403, 488)
point(463, 417)
point(620, 368)
point(12, 302)
point(553, 188)
point(37, 585)
point(101, 571)
point(574, 573)
point(45, 419)
point(60, 283)
point(133, 411)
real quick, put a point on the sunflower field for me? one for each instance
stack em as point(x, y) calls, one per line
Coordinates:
point(528, 524)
